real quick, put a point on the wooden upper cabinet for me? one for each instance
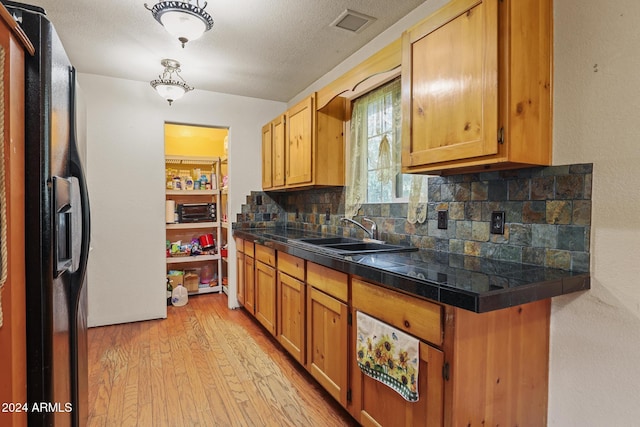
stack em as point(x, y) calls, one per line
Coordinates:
point(476, 87)
point(267, 156)
point(300, 142)
point(278, 154)
point(273, 154)
point(307, 146)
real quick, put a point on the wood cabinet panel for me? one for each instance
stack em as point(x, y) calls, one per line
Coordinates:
point(267, 156)
point(382, 406)
point(13, 370)
point(453, 101)
point(489, 105)
point(332, 282)
point(249, 249)
point(265, 255)
point(300, 142)
point(419, 318)
point(307, 146)
point(265, 295)
point(278, 156)
point(240, 276)
point(291, 303)
point(249, 284)
point(291, 265)
point(327, 335)
point(506, 352)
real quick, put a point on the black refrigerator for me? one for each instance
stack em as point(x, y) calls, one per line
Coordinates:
point(57, 231)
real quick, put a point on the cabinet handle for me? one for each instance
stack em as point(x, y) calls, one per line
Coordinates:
point(407, 324)
point(501, 135)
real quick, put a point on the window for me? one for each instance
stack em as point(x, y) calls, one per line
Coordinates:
point(374, 151)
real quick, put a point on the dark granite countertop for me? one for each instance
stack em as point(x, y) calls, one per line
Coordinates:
point(472, 283)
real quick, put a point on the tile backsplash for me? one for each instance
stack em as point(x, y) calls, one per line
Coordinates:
point(547, 210)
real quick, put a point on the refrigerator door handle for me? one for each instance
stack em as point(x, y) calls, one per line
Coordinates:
point(80, 264)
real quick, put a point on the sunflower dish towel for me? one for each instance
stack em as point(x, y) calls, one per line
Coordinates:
point(388, 355)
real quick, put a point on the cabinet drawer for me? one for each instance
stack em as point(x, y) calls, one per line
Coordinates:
point(265, 254)
point(417, 317)
point(239, 245)
point(329, 281)
point(248, 248)
point(291, 265)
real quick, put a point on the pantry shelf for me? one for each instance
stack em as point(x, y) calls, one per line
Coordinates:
point(192, 225)
point(190, 259)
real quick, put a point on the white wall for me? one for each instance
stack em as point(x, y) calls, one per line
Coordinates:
point(595, 335)
point(125, 168)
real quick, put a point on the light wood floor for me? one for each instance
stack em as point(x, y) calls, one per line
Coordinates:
point(204, 365)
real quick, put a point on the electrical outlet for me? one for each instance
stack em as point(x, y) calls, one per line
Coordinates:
point(443, 218)
point(497, 222)
point(297, 213)
point(327, 215)
point(258, 200)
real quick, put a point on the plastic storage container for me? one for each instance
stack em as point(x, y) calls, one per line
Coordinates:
point(179, 296)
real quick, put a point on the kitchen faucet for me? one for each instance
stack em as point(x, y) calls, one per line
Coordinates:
point(373, 232)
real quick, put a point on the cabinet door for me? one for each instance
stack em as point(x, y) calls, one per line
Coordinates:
point(267, 156)
point(291, 309)
point(278, 152)
point(450, 85)
point(249, 284)
point(300, 143)
point(327, 330)
point(240, 267)
point(265, 296)
point(382, 406)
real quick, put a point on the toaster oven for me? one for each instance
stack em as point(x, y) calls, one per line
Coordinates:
point(196, 212)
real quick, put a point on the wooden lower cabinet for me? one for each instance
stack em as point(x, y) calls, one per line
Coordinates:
point(475, 369)
point(327, 332)
point(265, 296)
point(379, 405)
point(375, 404)
point(291, 297)
point(241, 284)
point(249, 284)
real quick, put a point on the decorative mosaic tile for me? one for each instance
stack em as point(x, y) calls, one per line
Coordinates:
point(519, 189)
point(548, 215)
point(456, 210)
point(534, 212)
point(479, 190)
point(570, 187)
point(480, 231)
point(543, 188)
point(558, 259)
point(559, 212)
point(544, 236)
point(581, 212)
point(463, 230)
point(571, 238)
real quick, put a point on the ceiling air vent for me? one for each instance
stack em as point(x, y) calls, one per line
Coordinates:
point(353, 21)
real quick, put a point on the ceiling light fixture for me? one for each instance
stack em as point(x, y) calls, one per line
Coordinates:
point(168, 86)
point(186, 20)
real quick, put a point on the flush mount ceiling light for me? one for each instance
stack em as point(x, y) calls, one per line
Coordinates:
point(170, 85)
point(186, 20)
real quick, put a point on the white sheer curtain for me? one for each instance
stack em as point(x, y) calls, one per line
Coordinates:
point(373, 152)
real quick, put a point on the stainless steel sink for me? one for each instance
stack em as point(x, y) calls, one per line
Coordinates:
point(348, 246)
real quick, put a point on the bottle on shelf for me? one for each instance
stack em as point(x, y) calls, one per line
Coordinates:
point(169, 291)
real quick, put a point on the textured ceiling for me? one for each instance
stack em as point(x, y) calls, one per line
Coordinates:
point(270, 49)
